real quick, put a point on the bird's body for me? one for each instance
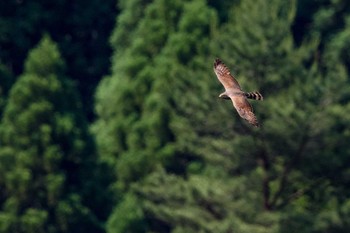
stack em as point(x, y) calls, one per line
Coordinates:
point(234, 92)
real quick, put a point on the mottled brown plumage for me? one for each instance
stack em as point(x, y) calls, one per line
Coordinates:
point(234, 92)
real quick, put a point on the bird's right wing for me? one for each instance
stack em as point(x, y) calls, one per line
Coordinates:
point(224, 76)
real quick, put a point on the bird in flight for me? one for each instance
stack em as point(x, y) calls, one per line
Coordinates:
point(234, 92)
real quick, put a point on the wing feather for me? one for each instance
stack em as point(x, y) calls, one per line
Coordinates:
point(244, 109)
point(225, 77)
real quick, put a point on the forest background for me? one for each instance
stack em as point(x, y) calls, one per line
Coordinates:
point(110, 120)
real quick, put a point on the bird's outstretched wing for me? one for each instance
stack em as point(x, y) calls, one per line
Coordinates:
point(225, 77)
point(244, 109)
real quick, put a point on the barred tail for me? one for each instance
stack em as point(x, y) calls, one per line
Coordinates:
point(254, 95)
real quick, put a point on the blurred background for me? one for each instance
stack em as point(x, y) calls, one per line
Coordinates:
point(111, 121)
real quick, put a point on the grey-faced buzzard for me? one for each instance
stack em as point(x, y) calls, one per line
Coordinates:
point(234, 92)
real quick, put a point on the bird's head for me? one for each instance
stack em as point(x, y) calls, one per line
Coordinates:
point(224, 96)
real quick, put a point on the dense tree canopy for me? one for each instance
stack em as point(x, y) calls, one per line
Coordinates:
point(81, 29)
point(162, 153)
point(45, 148)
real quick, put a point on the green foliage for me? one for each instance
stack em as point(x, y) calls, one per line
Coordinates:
point(80, 28)
point(157, 126)
point(301, 96)
point(142, 103)
point(128, 216)
point(44, 151)
point(172, 156)
point(203, 203)
point(43, 64)
point(263, 41)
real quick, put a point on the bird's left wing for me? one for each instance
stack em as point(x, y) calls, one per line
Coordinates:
point(244, 109)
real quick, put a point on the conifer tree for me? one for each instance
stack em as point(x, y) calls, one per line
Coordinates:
point(302, 105)
point(80, 28)
point(185, 163)
point(334, 154)
point(156, 117)
point(45, 151)
point(303, 89)
point(140, 105)
point(125, 99)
